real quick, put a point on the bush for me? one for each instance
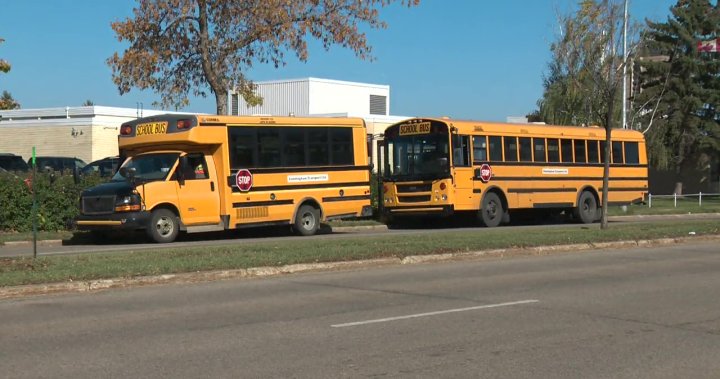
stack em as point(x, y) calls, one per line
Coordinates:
point(57, 200)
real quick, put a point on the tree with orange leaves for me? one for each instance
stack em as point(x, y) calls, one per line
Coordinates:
point(183, 47)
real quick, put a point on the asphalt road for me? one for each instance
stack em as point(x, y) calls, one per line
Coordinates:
point(636, 313)
point(138, 242)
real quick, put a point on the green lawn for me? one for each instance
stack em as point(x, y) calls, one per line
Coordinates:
point(278, 252)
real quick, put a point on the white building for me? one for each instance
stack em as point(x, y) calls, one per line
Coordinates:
point(88, 133)
point(312, 96)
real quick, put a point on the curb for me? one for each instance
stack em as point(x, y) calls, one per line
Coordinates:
point(260, 272)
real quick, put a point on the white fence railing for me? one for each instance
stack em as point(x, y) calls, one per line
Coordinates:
point(677, 197)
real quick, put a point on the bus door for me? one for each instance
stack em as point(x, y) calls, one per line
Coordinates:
point(198, 190)
point(462, 172)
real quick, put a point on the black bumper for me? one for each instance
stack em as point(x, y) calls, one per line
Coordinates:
point(114, 221)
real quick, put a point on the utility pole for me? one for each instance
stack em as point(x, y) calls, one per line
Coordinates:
point(625, 61)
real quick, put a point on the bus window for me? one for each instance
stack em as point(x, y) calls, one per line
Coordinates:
point(602, 151)
point(566, 150)
point(294, 147)
point(318, 153)
point(196, 167)
point(525, 149)
point(511, 149)
point(269, 148)
point(539, 149)
point(495, 146)
point(479, 149)
point(617, 152)
point(461, 151)
point(592, 151)
point(242, 147)
point(342, 151)
point(631, 153)
point(553, 150)
point(580, 151)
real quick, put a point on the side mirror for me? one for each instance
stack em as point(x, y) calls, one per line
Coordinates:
point(128, 173)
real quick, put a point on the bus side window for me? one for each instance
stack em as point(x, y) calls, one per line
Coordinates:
point(592, 150)
point(566, 150)
point(553, 150)
point(461, 151)
point(525, 149)
point(617, 152)
point(539, 146)
point(632, 155)
point(495, 147)
point(511, 149)
point(479, 149)
point(580, 151)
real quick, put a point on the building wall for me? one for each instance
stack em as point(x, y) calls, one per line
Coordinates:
point(302, 97)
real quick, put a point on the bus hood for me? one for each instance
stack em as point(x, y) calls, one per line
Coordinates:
point(111, 188)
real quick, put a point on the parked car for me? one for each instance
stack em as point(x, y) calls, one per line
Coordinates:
point(12, 162)
point(104, 167)
point(58, 164)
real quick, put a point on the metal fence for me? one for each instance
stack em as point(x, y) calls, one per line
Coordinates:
point(685, 198)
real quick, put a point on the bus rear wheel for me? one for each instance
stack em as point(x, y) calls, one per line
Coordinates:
point(307, 220)
point(164, 226)
point(586, 210)
point(492, 211)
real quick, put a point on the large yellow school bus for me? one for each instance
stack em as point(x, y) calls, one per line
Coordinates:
point(197, 173)
point(442, 167)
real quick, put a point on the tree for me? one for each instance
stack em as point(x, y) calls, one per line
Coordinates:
point(88, 103)
point(178, 47)
point(6, 101)
point(680, 88)
point(583, 85)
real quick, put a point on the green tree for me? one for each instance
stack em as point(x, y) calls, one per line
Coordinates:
point(584, 82)
point(680, 88)
point(6, 100)
point(88, 103)
point(179, 47)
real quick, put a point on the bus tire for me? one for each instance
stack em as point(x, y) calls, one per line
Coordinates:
point(492, 211)
point(307, 220)
point(164, 226)
point(587, 209)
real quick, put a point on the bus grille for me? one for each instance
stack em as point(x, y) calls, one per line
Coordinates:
point(95, 205)
point(410, 188)
point(252, 212)
point(414, 199)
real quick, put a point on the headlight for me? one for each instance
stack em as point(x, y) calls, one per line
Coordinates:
point(129, 203)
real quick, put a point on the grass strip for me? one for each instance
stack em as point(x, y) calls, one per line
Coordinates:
point(51, 269)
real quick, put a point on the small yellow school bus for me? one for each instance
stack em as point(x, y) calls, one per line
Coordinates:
point(197, 173)
point(442, 167)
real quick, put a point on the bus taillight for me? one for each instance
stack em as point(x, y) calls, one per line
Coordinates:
point(442, 186)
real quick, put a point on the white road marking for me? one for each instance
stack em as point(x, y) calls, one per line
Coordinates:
point(433, 313)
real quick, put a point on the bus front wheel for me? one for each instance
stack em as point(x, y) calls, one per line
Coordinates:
point(586, 210)
point(164, 226)
point(307, 220)
point(492, 211)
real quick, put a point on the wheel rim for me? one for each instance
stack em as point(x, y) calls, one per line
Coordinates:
point(491, 210)
point(308, 221)
point(164, 226)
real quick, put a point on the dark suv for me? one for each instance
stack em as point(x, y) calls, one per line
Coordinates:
point(12, 162)
point(104, 167)
point(58, 164)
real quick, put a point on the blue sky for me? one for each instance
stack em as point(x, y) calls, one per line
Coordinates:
point(470, 59)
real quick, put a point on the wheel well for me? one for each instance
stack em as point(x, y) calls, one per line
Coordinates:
point(308, 201)
point(167, 206)
point(592, 192)
point(499, 194)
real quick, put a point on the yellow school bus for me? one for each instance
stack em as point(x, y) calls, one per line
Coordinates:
point(197, 173)
point(442, 167)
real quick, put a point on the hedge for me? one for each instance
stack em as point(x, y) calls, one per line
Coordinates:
point(57, 200)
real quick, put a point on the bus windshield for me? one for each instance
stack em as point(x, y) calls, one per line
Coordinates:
point(149, 167)
point(418, 157)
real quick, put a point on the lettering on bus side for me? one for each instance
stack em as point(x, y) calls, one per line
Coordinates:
point(411, 129)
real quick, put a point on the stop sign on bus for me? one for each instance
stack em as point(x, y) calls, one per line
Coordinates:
point(244, 180)
point(485, 173)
